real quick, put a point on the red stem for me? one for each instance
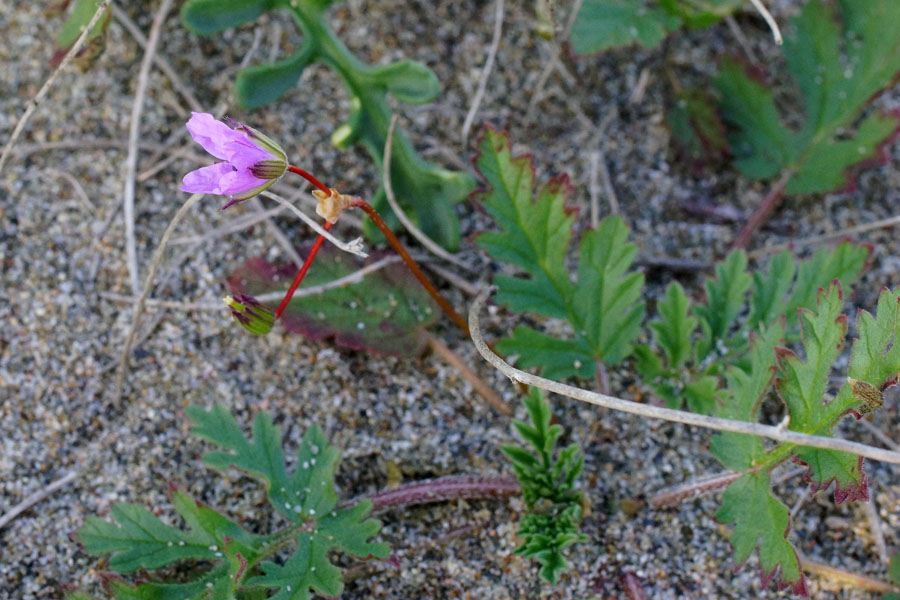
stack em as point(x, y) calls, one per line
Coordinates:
point(411, 264)
point(309, 177)
point(763, 211)
point(444, 489)
point(302, 273)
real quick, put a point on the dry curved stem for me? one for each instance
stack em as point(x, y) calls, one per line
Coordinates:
point(485, 72)
point(353, 246)
point(417, 233)
point(33, 103)
point(145, 293)
point(778, 434)
point(36, 497)
point(769, 19)
point(134, 131)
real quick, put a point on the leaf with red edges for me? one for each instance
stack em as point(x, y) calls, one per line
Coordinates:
point(387, 312)
point(762, 520)
point(603, 305)
point(841, 60)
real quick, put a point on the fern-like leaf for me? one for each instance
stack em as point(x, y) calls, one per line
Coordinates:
point(603, 306)
point(548, 486)
point(306, 497)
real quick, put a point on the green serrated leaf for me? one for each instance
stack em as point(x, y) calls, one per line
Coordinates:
point(802, 384)
point(604, 24)
point(675, 325)
point(306, 497)
point(841, 59)
point(142, 540)
point(604, 305)
point(761, 520)
point(875, 358)
point(724, 299)
point(697, 130)
point(548, 486)
point(700, 394)
point(387, 312)
point(558, 359)
point(300, 496)
point(206, 17)
point(845, 262)
point(741, 399)
point(409, 81)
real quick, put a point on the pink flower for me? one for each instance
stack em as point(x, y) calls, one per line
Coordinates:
point(253, 161)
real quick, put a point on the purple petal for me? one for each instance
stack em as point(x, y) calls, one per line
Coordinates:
point(215, 136)
point(207, 180)
point(235, 182)
point(243, 153)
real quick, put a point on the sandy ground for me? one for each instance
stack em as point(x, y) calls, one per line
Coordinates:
point(61, 337)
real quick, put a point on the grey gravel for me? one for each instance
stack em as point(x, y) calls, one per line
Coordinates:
point(60, 340)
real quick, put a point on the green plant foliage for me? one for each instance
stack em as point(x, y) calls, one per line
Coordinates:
point(80, 16)
point(548, 487)
point(604, 24)
point(237, 565)
point(759, 517)
point(687, 363)
point(603, 305)
point(425, 191)
point(841, 59)
point(697, 131)
point(387, 312)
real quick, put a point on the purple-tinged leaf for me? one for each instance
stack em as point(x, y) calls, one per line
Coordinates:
point(387, 312)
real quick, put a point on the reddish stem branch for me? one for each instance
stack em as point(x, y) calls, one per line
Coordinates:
point(445, 489)
point(302, 273)
point(411, 264)
point(309, 177)
point(763, 211)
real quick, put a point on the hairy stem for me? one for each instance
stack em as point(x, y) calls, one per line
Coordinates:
point(411, 264)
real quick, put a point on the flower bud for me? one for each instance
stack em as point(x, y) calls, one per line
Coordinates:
point(252, 316)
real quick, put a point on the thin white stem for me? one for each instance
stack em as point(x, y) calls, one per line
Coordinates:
point(234, 226)
point(486, 71)
point(36, 497)
point(353, 246)
point(177, 84)
point(33, 103)
point(417, 233)
point(79, 190)
point(828, 237)
point(134, 132)
point(769, 19)
point(277, 233)
point(352, 278)
point(145, 293)
point(667, 414)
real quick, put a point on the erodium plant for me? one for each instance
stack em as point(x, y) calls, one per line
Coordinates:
point(424, 190)
point(547, 477)
point(227, 561)
point(782, 328)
